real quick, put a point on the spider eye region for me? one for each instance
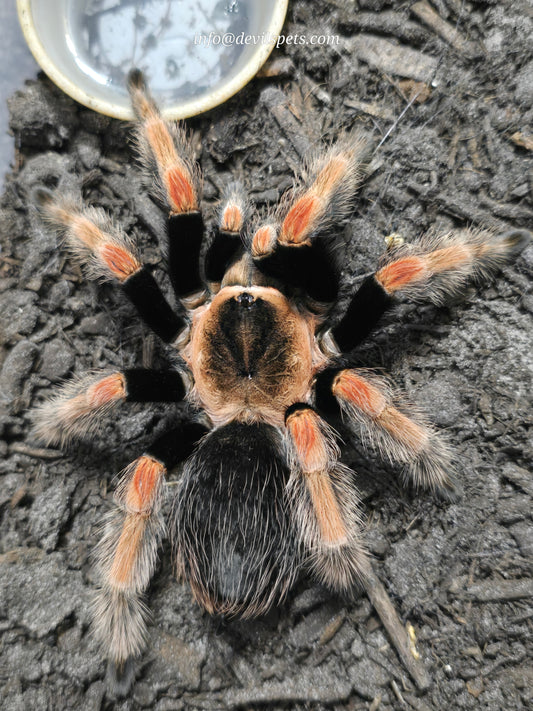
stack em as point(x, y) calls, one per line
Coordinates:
point(245, 300)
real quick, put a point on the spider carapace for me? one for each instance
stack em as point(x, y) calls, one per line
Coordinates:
point(262, 494)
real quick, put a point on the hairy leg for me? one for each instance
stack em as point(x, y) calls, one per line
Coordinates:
point(77, 408)
point(227, 242)
point(325, 501)
point(127, 553)
point(167, 154)
point(292, 246)
point(376, 411)
point(431, 269)
point(107, 253)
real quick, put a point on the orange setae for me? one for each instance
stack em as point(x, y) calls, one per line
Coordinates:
point(143, 487)
point(404, 429)
point(232, 218)
point(360, 392)
point(326, 508)
point(107, 390)
point(263, 241)
point(119, 260)
point(449, 258)
point(301, 219)
point(401, 273)
point(304, 426)
point(122, 573)
point(180, 190)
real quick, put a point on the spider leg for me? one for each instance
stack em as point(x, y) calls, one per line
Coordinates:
point(227, 240)
point(325, 501)
point(293, 247)
point(167, 154)
point(431, 269)
point(107, 253)
point(77, 408)
point(127, 553)
point(383, 421)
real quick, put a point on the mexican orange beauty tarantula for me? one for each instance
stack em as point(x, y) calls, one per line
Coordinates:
point(262, 494)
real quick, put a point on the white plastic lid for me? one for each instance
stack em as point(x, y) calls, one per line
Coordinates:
point(195, 53)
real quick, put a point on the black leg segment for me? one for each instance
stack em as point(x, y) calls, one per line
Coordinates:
point(326, 402)
point(177, 445)
point(143, 291)
point(221, 253)
point(306, 267)
point(185, 234)
point(367, 306)
point(144, 385)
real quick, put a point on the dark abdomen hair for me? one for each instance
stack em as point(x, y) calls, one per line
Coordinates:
point(232, 534)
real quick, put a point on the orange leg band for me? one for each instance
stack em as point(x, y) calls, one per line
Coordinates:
point(109, 389)
point(119, 260)
point(263, 241)
point(360, 392)
point(300, 218)
point(232, 218)
point(304, 426)
point(138, 495)
point(398, 274)
point(315, 460)
point(181, 193)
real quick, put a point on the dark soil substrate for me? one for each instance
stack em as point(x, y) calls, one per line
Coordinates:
point(460, 153)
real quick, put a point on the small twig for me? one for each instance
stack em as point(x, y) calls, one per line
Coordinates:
point(331, 629)
point(370, 108)
point(495, 590)
point(397, 633)
point(37, 452)
point(427, 14)
point(397, 693)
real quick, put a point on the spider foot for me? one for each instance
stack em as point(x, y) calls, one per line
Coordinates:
point(120, 677)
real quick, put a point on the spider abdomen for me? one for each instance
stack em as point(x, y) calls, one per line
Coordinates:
point(233, 537)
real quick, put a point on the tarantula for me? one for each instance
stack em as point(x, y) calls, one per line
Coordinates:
point(264, 368)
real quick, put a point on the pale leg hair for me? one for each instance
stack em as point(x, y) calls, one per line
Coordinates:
point(325, 502)
point(125, 562)
point(382, 419)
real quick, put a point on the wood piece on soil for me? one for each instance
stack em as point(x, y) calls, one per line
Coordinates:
point(277, 67)
point(37, 452)
point(393, 58)
point(523, 140)
point(312, 685)
point(276, 102)
point(417, 91)
point(448, 32)
point(496, 590)
point(397, 632)
point(372, 108)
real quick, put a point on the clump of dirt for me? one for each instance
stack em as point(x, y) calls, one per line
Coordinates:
point(447, 93)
